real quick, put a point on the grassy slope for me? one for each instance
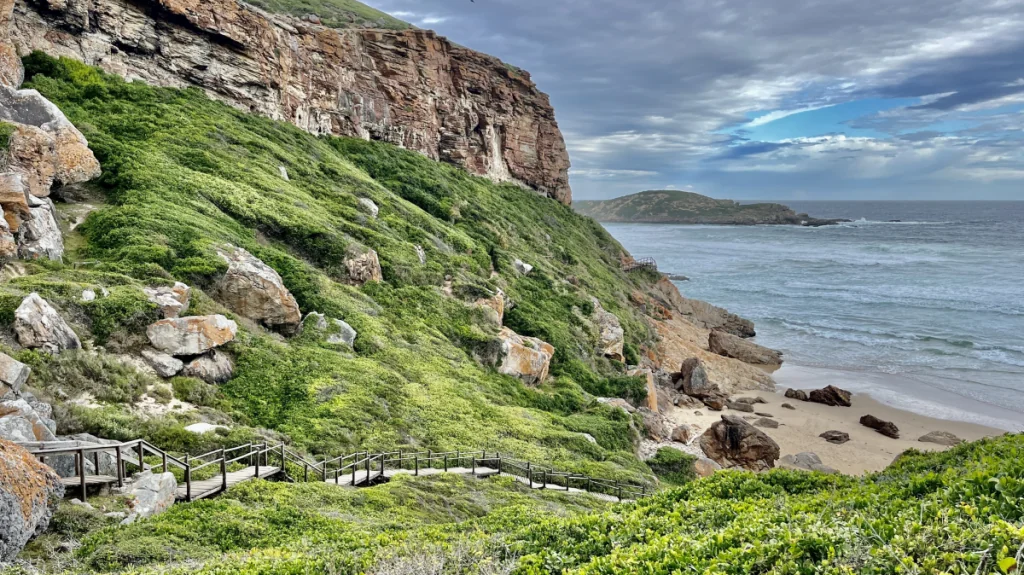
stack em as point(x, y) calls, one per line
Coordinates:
point(334, 13)
point(680, 207)
point(183, 174)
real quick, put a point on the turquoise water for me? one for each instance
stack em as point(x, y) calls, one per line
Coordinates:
point(936, 300)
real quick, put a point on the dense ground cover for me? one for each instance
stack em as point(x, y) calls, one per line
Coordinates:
point(184, 175)
point(334, 13)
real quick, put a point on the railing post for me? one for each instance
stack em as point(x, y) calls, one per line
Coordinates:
point(474, 466)
point(590, 484)
point(323, 470)
point(120, 472)
point(283, 461)
point(188, 478)
point(499, 464)
point(446, 463)
point(544, 478)
point(416, 462)
point(354, 463)
point(367, 468)
point(224, 470)
point(96, 461)
point(257, 461)
point(305, 472)
point(81, 473)
point(529, 473)
point(165, 461)
point(142, 465)
point(458, 458)
point(618, 487)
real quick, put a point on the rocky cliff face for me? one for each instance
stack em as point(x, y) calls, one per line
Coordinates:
point(411, 87)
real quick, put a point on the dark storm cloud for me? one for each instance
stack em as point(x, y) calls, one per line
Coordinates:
point(647, 89)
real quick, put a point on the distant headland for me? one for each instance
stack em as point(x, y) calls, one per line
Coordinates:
point(677, 207)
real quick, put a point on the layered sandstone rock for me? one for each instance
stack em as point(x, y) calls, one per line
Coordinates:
point(527, 358)
point(701, 313)
point(21, 421)
point(213, 367)
point(254, 290)
point(729, 345)
point(38, 326)
point(171, 299)
point(411, 87)
point(29, 494)
point(191, 335)
point(611, 337)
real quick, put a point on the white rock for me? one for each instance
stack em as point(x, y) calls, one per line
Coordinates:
point(589, 438)
point(284, 173)
point(522, 267)
point(421, 254)
point(20, 422)
point(369, 207)
point(200, 428)
point(611, 335)
point(13, 374)
point(88, 295)
point(164, 365)
point(191, 335)
point(39, 326)
point(172, 300)
point(152, 495)
point(39, 236)
point(344, 334)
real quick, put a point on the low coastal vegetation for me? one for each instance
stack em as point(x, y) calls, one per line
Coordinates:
point(678, 207)
point(334, 13)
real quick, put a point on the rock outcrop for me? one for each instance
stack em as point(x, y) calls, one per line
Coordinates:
point(151, 494)
point(652, 387)
point(172, 300)
point(495, 303)
point(20, 421)
point(693, 380)
point(13, 374)
point(611, 337)
point(732, 442)
point(335, 331)
point(191, 335)
point(411, 87)
point(29, 494)
point(254, 290)
point(700, 312)
point(39, 326)
point(728, 345)
point(163, 364)
point(213, 367)
point(39, 235)
point(806, 461)
point(363, 267)
point(527, 358)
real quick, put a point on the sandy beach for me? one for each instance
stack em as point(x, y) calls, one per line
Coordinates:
point(867, 450)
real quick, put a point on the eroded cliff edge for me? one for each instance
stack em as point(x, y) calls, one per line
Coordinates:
point(412, 88)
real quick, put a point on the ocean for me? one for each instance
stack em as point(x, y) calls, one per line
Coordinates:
point(925, 313)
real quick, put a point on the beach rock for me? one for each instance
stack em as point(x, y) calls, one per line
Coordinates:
point(787, 406)
point(164, 365)
point(886, 428)
point(732, 442)
point(213, 367)
point(369, 207)
point(767, 423)
point(797, 394)
point(522, 267)
point(749, 400)
point(654, 397)
point(172, 300)
point(192, 335)
point(714, 403)
point(837, 437)
point(706, 467)
point(13, 374)
point(610, 334)
point(29, 495)
point(942, 438)
point(618, 402)
point(39, 235)
point(694, 379)
point(744, 407)
point(364, 267)
point(728, 345)
point(39, 326)
point(763, 414)
point(151, 494)
point(805, 461)
point(20, 422)
point(254, 290)
point(684, 433)
point(527, 358)
point(830, 395)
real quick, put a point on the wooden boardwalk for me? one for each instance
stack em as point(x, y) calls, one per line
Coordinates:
point(216, 484)
point(360, 476)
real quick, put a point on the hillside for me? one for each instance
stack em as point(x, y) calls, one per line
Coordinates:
point(334, 13)
point(677, 207)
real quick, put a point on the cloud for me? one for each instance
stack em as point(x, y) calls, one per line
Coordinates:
point(658, 87)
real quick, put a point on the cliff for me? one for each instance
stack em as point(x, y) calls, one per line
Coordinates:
point(677, 207)
point(411, 88)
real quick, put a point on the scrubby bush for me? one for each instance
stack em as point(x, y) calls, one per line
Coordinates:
point(673, 466)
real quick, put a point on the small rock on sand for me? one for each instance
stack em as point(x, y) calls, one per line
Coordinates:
point(837, 437)
point(886, 428)
point(942, 438)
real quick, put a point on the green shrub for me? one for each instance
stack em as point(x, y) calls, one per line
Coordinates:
point(673, 466)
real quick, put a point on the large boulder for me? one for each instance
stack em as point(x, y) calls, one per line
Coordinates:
point(364, 267)
point(151, 494)
point(831, 395)
point(213, 367)
point(13, 374)
point(172, 300)
point(732, 442)
point(805, 461)
point(254, 290)
point(495, 303)
point(163, 364)
point(29, 494)
point(657, 426)
point(39, 326)
point(729, 345)
point(20, 421)
point(886, 428)
point(39, 235)
point(693, 379)
point(611, 337)
point(369, 207)
point(192, 335)
point(335, 331)
point(527, 358)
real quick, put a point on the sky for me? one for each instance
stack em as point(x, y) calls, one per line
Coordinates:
point(767, 99)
